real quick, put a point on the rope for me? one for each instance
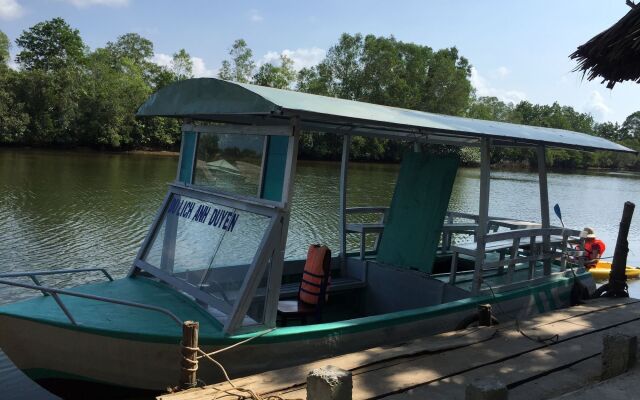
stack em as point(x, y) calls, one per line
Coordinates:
point(245, 393)
point(552, 339)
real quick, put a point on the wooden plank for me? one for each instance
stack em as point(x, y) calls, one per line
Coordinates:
point(560, 382)
point(524, 368)
point(571, 322)
point(293, 376)
point(508, 344)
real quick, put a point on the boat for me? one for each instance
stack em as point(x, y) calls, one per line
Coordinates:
point(602, 269)
point(217, 256)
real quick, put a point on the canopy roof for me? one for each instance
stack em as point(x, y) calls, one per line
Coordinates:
point(614, 53)
point(218, 100)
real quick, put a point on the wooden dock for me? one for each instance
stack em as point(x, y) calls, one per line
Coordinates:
point(542, 357)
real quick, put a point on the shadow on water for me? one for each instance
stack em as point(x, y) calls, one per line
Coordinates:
point(81, 390)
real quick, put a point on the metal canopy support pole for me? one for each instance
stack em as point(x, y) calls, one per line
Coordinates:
point(272, 248)
point(483, 214)
point(544, 203)
point(344, 165)
point(277, 262)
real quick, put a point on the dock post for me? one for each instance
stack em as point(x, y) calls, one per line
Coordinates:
point(617, 285)
point(189, 362)
point(618, 354)
point(329, 383)
point(484, 314)
point(486, 389)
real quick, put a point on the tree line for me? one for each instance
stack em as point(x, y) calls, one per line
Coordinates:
point(64, 94)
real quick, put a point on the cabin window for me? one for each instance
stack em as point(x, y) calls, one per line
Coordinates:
point(208, 246)
point(230, 162)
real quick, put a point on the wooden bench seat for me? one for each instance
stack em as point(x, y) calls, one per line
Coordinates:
point(470, 248)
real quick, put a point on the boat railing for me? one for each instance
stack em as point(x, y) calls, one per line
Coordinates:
point(363, 228)
point(516, 247)
point(33, 275)
point(55, 293)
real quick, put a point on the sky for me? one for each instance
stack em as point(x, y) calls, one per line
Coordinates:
point(519, 49)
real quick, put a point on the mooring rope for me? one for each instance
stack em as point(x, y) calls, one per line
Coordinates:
point(245, 393)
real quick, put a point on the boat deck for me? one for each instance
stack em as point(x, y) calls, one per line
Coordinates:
point(440, 367)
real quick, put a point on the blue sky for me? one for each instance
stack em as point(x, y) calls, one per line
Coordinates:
point(519, 49)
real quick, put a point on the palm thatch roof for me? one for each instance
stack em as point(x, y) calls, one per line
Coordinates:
point(613, 54)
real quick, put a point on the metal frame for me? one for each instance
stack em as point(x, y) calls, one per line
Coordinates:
point(272, 245)
point(175, 189)
point(239, 129)
point(53, 292)
point(483, 215)
point(544, 200)
point(344, 166)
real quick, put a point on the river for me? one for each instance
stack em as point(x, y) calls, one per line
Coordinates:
point(73, 209)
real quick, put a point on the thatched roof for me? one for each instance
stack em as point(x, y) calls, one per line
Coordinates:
point(613, 54)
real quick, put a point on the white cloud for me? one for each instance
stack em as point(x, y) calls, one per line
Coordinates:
point(302, 58)
point(10, 9)
point(503, 71)
point(200, 69)
point(161, 59)
point(596, 106)
point(255, 16)
point(108, 3)
point(484, 88)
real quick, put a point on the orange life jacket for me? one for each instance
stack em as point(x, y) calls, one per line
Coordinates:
point(315, 278)
point(595, 244)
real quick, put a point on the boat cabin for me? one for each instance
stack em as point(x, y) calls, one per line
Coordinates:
point(220, 234)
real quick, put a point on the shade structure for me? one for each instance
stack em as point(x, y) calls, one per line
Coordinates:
point(614, 54)
point(223, 101)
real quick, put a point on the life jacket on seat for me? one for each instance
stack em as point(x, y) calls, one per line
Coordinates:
point(316, 275)
point(596, 245)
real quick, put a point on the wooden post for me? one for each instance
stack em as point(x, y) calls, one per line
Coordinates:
point(617, 285)
point(346, 144)
point(484, 314)
point(486, 388)
point(483, 215)
point(544, 204)
point(189, 362)
point(329, 383)
point(618, 354)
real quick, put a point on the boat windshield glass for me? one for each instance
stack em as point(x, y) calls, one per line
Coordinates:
point(229, 162)
point(210, 247)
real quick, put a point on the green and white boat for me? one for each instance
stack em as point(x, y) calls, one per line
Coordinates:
point(215, 252)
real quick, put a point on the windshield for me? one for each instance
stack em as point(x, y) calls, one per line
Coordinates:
point(229, 162)
point(211, 247)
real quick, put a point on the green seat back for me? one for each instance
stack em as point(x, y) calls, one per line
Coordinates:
point(417, 211)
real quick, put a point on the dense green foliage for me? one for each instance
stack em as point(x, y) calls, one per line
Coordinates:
point(64, 94)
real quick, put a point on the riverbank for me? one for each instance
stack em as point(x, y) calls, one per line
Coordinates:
point(502, 166)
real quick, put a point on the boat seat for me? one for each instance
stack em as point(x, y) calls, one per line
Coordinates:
point(501, 245)
point(342, 284)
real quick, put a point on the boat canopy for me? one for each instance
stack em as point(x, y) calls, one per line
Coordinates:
point(223, 101)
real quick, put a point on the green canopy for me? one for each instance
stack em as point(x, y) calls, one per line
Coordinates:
point(217, 100)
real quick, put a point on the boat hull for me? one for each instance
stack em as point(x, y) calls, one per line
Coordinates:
point(48, 351)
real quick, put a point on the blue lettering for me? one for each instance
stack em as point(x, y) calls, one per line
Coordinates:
point(232, 223)
point(214, 215)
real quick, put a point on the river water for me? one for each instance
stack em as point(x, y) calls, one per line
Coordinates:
point(74, 210)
